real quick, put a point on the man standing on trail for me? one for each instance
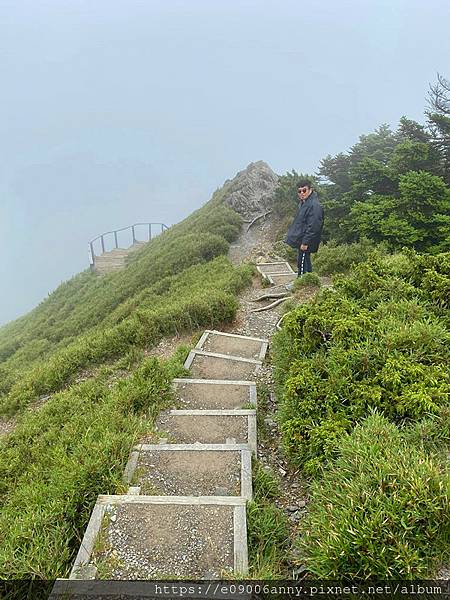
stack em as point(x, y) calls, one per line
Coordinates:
point(305, 232)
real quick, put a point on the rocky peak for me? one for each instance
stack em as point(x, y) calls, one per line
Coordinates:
point(251, 191)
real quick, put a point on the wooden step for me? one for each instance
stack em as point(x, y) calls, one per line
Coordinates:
point(209, 365)
point(208, 427)
point(277, 273)
point(115, 259)
point(147, 537)
point(214, 394)
point(233, 345)
point(191, 470)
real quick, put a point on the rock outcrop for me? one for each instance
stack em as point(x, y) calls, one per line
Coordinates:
point(252, 191)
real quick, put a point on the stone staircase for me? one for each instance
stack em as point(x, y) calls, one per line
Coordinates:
point(184, 513)
point(114, 260)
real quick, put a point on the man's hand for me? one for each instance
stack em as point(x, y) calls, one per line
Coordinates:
point(304, 247)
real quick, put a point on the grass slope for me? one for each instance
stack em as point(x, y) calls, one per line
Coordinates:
point(60, 457)
point(91, 319)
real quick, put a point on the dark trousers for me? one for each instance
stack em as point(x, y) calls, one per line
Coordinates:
point(304, 263)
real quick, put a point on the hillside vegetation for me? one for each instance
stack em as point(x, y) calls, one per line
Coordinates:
point(363, 388)
point(362, 371)
point(169, 285)
point(391, 186)
point(60, 457)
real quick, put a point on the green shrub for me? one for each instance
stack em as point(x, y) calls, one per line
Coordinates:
point(307, 280)
point(362, 346)
point(427, 278)
point(289, 305)
point(380, 511)
point(313, 441)
point(338, 258)
point(432, 433)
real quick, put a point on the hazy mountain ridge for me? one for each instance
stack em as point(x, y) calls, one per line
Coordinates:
point(88, 304)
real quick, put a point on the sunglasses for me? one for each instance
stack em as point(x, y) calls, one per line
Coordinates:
point(302, 190)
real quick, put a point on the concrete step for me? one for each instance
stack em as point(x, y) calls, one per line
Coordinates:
point(214, 394)
point(233, 345)
point(136, 537)
point(277, 273)
point(208, 427)
point(275, 267)
point(191, 470)
point(277, 279)
point(209, 365)
point(136, 246)
point(115, 259)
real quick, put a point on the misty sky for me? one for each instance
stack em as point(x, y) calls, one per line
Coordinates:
point(117, 111)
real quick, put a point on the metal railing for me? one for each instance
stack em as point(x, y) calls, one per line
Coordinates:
point(104, 238)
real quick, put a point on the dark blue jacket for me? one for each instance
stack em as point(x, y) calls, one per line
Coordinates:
point(307, 225)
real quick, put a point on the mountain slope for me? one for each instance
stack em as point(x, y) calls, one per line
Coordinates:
point(90, 319)
point(80, 361)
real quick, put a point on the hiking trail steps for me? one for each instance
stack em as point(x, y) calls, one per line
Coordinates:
point(115, 259)
point(184, 512)
point(277, 272)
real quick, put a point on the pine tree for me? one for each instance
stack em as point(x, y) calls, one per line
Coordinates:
point(438, 120)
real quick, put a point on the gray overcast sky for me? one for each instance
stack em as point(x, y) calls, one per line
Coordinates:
point(117, 111)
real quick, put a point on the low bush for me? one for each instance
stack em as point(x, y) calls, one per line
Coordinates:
point(376, 342)
point(307, 280)
point(432, 434)
point(380, 511)
point(407, 275)
point(338, 258)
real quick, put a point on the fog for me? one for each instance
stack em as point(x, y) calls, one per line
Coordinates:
point(114, 112)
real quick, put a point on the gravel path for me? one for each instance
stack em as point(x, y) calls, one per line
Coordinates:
point(189, 473)
point(215, 429)
point(142, 544)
